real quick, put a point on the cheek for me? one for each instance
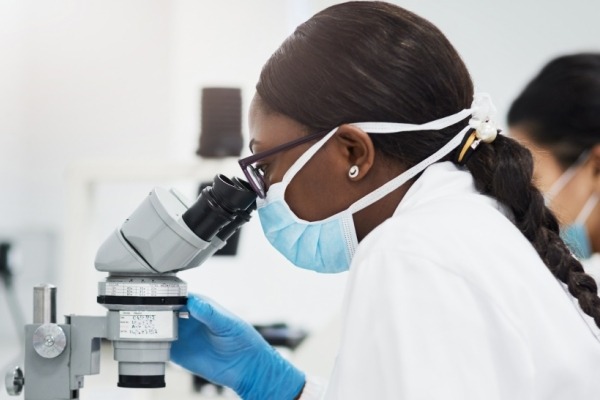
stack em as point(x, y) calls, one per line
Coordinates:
point(317, 191)
point(546, 170)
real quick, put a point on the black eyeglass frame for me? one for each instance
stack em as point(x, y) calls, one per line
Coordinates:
point(254, 177)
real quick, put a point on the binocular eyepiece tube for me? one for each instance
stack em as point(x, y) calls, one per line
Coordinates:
point(225, 204)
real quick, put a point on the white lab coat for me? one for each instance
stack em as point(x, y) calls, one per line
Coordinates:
point(448, 300)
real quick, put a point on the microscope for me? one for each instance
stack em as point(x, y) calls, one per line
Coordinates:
point(142, 294)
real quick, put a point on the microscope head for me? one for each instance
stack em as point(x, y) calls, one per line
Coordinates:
point(164, 235)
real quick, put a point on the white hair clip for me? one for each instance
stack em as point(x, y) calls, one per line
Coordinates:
point(483, 111)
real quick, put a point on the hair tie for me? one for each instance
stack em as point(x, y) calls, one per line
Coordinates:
point(484, 129)
point(466, 147)
point(482, 118)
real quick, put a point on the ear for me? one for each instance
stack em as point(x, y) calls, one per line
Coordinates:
point(356, 148)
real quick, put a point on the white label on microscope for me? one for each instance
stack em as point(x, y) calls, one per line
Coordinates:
point(146, 324)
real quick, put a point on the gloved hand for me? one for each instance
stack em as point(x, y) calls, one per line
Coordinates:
point(225, 350)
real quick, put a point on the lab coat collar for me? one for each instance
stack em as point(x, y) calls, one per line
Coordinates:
point(438, 181)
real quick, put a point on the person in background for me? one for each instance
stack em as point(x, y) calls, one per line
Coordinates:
point(373, 155)
point(557, 116)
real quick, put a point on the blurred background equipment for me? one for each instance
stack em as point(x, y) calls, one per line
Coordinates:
point(221, 136)
point(12, 300)
point(221, 123)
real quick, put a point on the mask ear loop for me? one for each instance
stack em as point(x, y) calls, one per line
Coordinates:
point(407, 175)
point(480, 108)
point(565, 178)
point(587, 209)
point(376, 127)
point(307, 155)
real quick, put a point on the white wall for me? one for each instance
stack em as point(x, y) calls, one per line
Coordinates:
point(120, 80)
point(85, 79)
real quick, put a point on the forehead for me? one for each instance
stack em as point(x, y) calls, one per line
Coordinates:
point(269, 128)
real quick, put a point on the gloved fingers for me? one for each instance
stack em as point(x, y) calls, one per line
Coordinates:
point(191, 340)
point(188, 333)
point(216, 318)
point(188, 326)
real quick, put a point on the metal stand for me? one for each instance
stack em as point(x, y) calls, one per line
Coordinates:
point(57, 356)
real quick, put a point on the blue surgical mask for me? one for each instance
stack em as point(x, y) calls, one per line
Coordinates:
point(576, 238)
point(576, 235)
point(328, 245)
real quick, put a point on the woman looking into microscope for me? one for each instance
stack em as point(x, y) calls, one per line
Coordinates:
point(373, 155)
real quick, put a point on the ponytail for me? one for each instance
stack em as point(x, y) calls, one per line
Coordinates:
point(504, 170)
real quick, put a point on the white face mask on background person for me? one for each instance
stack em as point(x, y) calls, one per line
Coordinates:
point(328, 245)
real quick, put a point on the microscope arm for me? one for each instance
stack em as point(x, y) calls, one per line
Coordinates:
point(58, 356)
point(86, 335)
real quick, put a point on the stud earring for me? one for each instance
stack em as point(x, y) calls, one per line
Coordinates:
point(353, 172)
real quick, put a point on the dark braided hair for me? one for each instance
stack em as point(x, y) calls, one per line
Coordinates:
point(504, 170)
point(374, 61)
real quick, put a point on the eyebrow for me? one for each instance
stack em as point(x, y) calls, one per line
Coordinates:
point(252, 143)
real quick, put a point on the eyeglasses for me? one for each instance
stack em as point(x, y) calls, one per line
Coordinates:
point(256, 176)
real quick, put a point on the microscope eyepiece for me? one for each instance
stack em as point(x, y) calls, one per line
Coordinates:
point(233, 194)
point(242, 216)
point(218, 206)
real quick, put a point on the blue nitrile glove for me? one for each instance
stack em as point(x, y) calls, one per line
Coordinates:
point(225, 350)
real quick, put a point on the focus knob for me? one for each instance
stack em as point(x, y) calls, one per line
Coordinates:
point(49, 340)
point(14, 381)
